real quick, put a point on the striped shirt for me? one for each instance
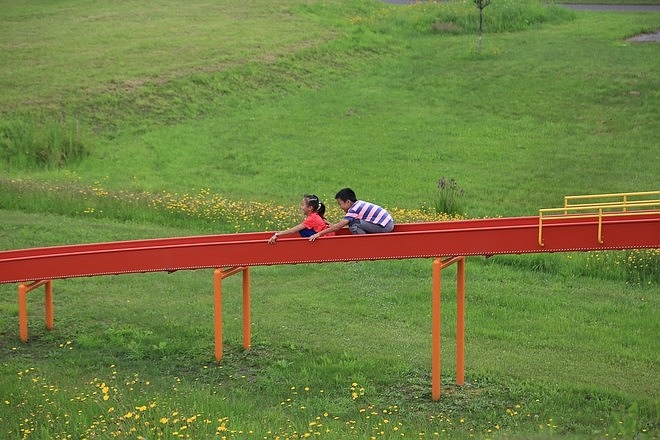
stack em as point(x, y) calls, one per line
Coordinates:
point(368, 212)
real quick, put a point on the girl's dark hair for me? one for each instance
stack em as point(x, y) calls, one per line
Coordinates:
point(317, 205)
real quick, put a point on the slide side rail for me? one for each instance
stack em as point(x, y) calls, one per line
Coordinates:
point(600, 206)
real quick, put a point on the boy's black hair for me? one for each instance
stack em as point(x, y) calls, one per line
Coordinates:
point(346, 194)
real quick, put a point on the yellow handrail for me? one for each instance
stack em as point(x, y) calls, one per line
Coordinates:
point(621, 198)
point(603, 209)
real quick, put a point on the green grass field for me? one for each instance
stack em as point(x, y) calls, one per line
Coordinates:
point(125, 121)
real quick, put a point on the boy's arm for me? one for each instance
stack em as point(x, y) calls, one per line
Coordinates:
point(337, 226)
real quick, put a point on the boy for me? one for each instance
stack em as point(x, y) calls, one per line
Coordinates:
point(361, 217)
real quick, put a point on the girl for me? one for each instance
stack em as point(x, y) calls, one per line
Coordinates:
point(314, 222)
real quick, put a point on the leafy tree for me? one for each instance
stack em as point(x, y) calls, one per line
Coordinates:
point(481, 4)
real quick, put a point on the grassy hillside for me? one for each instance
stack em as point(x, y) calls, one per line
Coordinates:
point(383, 98)
point(123, 120)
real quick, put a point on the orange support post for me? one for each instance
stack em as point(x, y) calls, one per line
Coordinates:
point(460, 322)
point(23, 290)
point(217, 312)
point(218, 276)
point(435, 331)
point(246, 308)
point(438, 265)
point(22, 312)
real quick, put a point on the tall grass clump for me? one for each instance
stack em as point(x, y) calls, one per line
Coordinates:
point(462, 17)
point(637, 266)
point(447, 197)
point(26, 143)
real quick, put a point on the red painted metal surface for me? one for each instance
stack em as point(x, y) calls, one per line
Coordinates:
point(414, 240)
point(237, 252)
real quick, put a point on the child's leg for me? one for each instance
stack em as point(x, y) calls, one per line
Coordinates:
point(362, 227)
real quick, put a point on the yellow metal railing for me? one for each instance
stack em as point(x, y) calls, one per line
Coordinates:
point(601, 205)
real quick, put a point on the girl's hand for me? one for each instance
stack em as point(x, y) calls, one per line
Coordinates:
point(314, 237)
point(273, 239)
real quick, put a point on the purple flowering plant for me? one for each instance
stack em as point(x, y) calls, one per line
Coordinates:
point(447, 197)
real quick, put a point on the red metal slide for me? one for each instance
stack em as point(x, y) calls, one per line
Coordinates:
point(446, 242)
point(414, 240)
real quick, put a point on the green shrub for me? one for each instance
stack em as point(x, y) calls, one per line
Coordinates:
point(25, 143)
